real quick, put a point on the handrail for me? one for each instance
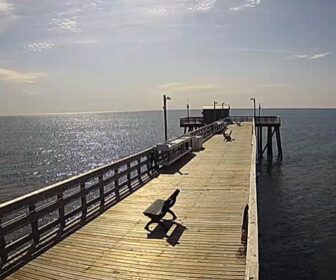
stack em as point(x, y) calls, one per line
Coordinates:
point(262, 120)
point(252, 253)
point(31, 222)
point(191, 121)
point(208, 130)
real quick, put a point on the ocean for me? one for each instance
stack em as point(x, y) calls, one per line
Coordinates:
point(296, 197)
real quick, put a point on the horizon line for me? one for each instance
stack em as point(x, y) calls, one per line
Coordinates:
point(140, 111)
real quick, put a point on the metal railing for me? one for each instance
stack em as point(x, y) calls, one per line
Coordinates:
point(191, 121)
point(263, 120)
point(268, 120)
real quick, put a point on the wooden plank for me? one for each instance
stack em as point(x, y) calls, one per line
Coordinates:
point(203, 244)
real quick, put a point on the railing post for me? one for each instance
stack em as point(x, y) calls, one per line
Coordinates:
point(116, 184)
point(61, 212)
point(101, 193)
point(3, 252)
point(139, 170)
point(34, 225)
point(83, 200)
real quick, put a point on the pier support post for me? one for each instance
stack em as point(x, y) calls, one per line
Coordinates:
point(269, 143)
point(278, 138)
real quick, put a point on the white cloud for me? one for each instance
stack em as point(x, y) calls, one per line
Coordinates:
point(187, 87)
point(309, 57)
point(200, 6)
point(319, 55)
point(7, 14)
point(38, 46)
point(13, 76)
point(245, 5)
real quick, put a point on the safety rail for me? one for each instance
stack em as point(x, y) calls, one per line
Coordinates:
point(188, 121)
point(207, 131)
point(30, 223)
point(267, 120)
point(252, 251)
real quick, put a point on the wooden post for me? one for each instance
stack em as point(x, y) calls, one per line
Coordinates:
point(61, 213)
point(116, 184)
point(34, 225)
point(269, 143)
point(3, 252)
point(101, 193)
point(278, 138)
point(139, 170)
point(83, 201)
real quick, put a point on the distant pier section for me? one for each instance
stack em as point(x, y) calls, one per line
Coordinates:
point(91, 226)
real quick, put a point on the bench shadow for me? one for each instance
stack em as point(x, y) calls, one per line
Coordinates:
point(173, 238)
point(177, 166)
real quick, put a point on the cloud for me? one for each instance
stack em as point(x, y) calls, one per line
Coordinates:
point(7, 14)
point(173, 7)
point(187, 87)
point(309, 57)
point(245, 5)
point(38, 46)
point(8, 75)
point(319, 55)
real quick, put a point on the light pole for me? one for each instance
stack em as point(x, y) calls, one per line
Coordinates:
point(254, 110)
point(165, 98)
point(215, 102)
point(223, 103)
point(188, 111)
point(259, 110)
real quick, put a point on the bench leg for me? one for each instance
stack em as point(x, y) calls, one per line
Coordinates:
point(173, 214)
point(163, 225)
point(149, 223)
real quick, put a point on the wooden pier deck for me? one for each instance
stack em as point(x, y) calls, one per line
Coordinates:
point(203, 244)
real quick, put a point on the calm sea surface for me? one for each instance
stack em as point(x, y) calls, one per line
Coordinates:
point(297, 197)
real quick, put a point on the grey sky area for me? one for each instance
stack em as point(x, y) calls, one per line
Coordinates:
point(122, 55)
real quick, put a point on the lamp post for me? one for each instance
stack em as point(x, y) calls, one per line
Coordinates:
point(254, 110)
point(165, 98)
point(259, 110)
point(223, 103)
point(188, 111)
point(214, 119)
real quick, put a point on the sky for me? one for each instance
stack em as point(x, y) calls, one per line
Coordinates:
point(123, 55)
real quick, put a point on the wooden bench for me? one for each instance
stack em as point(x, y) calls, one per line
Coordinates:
point(160, 208)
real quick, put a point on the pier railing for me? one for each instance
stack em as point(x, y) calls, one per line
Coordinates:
point(191, 121)
point(252, 253)
point(207, 131)
point(31, 222)
point(259, 121)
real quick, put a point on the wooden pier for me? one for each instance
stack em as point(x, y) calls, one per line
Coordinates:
point(108, 240)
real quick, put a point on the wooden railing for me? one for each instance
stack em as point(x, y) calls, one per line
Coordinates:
point(207, 131)
point(30, 223)
point(252, 253)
